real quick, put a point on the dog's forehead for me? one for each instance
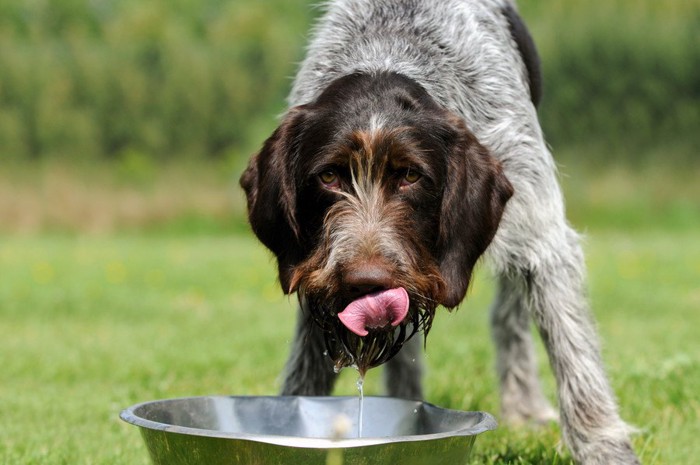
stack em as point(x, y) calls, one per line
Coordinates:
point(382, 146)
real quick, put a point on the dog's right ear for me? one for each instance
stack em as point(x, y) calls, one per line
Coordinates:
point(271, 193)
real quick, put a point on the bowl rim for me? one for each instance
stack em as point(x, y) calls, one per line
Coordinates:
point(486, 422)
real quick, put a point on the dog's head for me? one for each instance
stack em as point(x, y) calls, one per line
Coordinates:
point(377, 203)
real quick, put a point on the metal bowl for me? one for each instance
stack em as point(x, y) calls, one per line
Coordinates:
point(300, 431)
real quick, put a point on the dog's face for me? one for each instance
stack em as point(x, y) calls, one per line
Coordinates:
point(377, 203)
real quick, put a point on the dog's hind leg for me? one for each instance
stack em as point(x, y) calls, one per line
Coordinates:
point(522, 400)
point(309, 370)
point(403, 373)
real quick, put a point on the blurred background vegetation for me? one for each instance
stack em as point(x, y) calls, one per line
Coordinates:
point(92, 79)
point(142, 85)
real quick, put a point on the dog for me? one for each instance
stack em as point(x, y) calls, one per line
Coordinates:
point(411, 148)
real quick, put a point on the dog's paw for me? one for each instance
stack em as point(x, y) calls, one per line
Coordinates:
point(540, 416)
point(518, 409)
point(606, 451)
point(604, 446)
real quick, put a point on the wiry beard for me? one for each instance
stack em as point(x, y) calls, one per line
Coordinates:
point(346, 348)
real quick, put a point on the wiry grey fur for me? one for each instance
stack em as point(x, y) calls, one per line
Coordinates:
point(463, 54)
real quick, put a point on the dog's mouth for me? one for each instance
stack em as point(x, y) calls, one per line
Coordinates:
point(365, 352)
point(378, 310)
point(371, 329)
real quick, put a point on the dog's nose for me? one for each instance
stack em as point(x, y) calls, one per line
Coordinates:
point(367, 278)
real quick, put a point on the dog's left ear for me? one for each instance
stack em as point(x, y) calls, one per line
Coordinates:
point(473, 201)
point(271, 193)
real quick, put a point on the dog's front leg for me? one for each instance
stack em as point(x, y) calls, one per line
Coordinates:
point(589, 416)
point(309, 371)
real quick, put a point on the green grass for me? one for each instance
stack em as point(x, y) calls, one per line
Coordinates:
point(171, 298)
point(92, 325)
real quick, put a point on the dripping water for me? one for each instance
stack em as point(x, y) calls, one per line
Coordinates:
point(360, 412)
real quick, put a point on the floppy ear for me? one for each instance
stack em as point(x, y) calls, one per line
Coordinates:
point(271, 193)
point(476, 192)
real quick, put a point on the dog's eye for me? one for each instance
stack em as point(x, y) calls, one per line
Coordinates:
point(410, 177)
point(329, 179)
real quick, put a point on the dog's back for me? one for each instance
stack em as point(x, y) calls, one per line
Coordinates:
point(450, 47)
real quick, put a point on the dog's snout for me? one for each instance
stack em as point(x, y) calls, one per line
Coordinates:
point(367, 278)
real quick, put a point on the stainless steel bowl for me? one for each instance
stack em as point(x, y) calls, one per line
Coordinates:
point(300, 430)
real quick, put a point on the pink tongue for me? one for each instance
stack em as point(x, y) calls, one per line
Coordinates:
point(375, 310)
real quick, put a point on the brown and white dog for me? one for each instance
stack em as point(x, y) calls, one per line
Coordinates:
point(411, 148)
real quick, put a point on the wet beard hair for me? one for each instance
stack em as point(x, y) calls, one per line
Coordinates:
point(346, 348)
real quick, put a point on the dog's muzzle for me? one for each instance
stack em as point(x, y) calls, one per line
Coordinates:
point(375, 332)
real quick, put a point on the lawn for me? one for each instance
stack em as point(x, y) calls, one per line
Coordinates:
point(90, 324)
